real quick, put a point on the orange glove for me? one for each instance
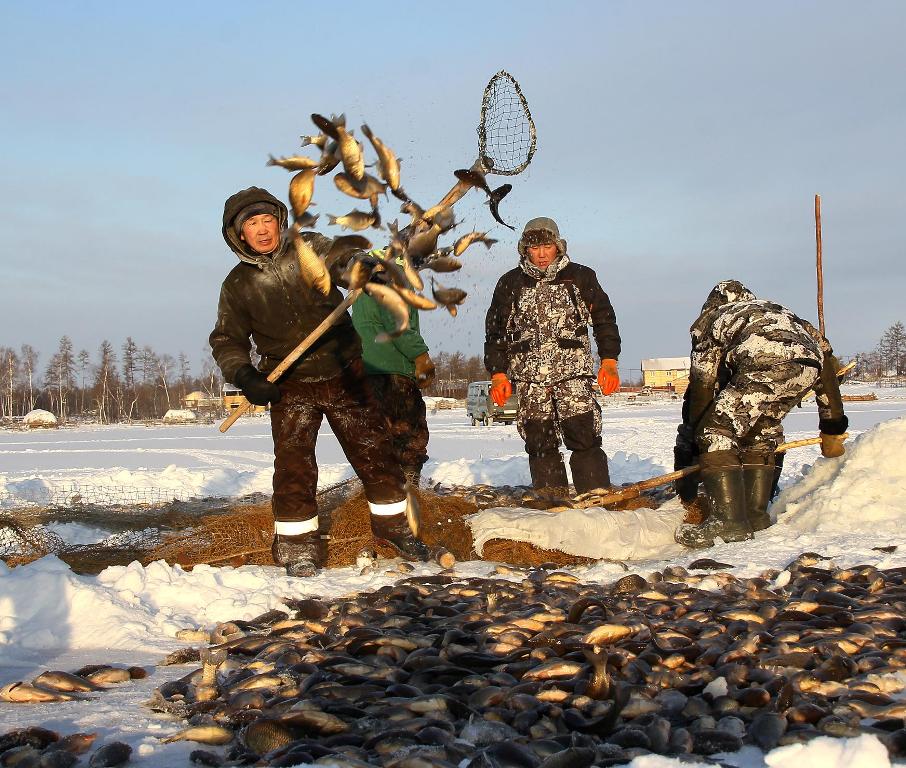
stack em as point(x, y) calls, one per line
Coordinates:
point(501, 389)
point(608, 376)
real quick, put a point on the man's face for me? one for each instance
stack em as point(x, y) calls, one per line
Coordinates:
point(261, 232)
point(542, 255)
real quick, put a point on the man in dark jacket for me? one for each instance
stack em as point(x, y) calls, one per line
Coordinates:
point(264, 299)
point(536, 335)
point(397, 370)
point(752, 361)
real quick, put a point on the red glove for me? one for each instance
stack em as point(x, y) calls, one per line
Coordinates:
point(501, 389)
point(608, 376)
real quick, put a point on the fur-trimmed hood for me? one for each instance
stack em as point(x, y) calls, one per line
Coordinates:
point(233, 205)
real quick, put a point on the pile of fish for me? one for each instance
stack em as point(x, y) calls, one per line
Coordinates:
point(36, 747)
point(539, 670)
point(56, 685)
point(392, 277)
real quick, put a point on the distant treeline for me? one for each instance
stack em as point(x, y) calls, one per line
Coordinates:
point(134, 382)
point(887, 359)
point(114, 385)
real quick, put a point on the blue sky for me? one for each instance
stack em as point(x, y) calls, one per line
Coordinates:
point(679, 143)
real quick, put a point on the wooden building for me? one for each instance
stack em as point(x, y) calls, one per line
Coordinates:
point(666, 373)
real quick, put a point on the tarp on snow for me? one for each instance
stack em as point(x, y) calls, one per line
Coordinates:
point(598, 533)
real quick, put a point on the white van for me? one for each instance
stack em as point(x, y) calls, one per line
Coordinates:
point(483, 410)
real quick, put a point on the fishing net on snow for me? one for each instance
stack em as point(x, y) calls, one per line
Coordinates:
point(235, 534)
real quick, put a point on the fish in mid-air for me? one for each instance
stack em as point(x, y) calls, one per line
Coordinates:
point(388, 163)
point(449, 297)
point(357, 220)
point(350, 149)
point(294, 162)
point(466, 240)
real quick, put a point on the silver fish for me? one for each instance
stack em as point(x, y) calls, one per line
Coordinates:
point(394, 304)
point(294, 163)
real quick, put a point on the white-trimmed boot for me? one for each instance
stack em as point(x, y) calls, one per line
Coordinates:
point(392, 524)
point(297, 546)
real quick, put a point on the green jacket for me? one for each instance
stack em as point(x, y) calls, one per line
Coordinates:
point(394, 356)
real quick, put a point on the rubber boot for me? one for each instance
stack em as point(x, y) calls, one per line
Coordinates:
point(394, 530)
point(725, 490)
point(778, 469)
point(759, 479)
point(590, 471)
point(548, 471)
point(300, 555)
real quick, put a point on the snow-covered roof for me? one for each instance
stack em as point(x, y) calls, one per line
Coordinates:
point(666, 364)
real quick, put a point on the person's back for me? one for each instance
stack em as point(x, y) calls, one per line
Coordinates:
point(397, 371)
point(752, 361)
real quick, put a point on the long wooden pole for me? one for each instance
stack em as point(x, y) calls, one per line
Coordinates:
point(300, 350)
point(634, 490)
point(819, 261)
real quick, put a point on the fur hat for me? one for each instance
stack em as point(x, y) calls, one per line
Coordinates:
point(540, 231)
point(255, 209)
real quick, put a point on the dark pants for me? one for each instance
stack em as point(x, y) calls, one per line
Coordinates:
point(582, 436)
point(404, 414)
point(356, 421)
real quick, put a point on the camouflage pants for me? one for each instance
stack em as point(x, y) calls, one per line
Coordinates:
point(746, 415)
point(404, 416)
point(567, 408)
point(355, 419)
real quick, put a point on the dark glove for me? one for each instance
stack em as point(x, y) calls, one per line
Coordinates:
point(685, 454)
point(424, 370)
point(255, 386)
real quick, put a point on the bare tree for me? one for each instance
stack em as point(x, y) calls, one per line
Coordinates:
point(9, 370)
point(29, 362)
point(105, 380)
point(185, 374)
point(83, 365)
point(892, 350)
point(59, 377)
point(211, 380)
point(165, 367)
point(130, 361)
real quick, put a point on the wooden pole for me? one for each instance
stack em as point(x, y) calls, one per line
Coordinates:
point(634, 490)
point(300, 350)
point(819, 265)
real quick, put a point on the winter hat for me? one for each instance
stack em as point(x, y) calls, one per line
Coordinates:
point(254, 209)
point(726, 292)
point(540, 231)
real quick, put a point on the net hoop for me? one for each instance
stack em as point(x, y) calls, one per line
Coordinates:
point(518, 159)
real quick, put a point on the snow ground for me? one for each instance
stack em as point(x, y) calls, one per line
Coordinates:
point(51, 618)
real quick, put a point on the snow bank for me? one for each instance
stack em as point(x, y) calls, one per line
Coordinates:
point(44, 606)
point(179, 416)
point(862, 752)
point(39, 418)
point(864, 489)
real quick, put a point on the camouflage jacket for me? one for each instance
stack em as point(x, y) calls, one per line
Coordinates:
point(751, 335)
point(264, 299)
point(536, 328)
